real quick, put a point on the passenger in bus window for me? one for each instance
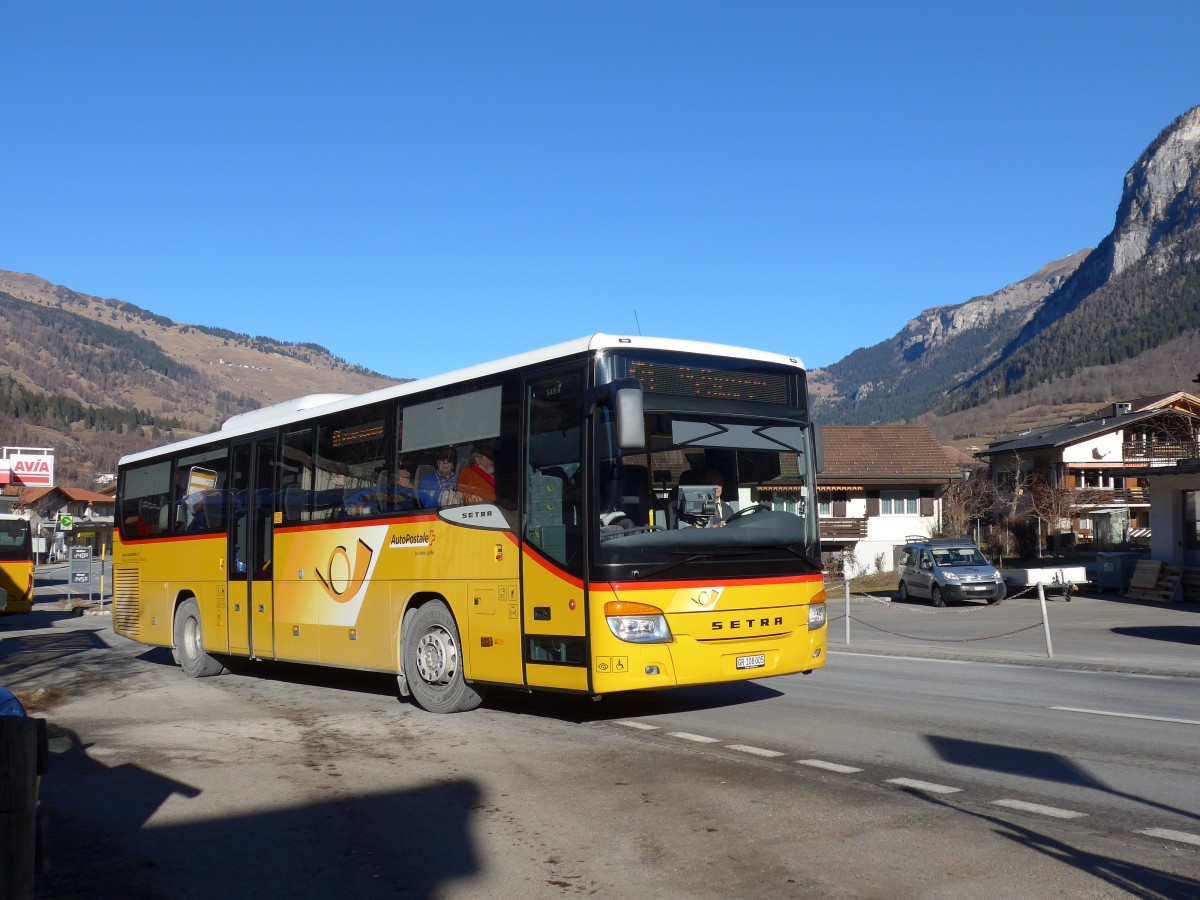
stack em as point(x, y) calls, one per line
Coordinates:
point(438, 488)
point(477, 482)
point(142, 525)
point(405, 492)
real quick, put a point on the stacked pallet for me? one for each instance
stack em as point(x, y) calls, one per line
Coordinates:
point(1154, 581)
point(1168, 585)
point(1191, 585)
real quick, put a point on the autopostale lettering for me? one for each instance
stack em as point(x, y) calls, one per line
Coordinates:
point(747, 624)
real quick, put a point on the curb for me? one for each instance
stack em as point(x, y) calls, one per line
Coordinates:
point(1075, 665)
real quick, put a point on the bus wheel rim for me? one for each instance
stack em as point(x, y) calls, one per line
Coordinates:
point(191, 638)
point(437, 656)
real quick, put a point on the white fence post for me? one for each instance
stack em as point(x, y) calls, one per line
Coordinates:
point(1045, 620)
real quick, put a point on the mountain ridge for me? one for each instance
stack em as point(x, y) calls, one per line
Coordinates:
point(1137, 290)
point(170, 380)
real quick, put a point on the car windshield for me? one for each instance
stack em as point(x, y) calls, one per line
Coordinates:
point(959, 556)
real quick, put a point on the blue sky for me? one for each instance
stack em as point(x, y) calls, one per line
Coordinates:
point(423, 186)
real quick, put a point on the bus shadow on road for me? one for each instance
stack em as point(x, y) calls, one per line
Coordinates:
point(55, 649)
point(573, 708)
point(582, 710)
point(1032, 764)
point(41, 616)
point(103, 843)
point(1130, 877)
point(1174, 634)
point(377, 683)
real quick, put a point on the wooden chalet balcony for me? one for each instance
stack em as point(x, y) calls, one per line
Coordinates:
point(1159, 453)
point(1127, 495)
point(843, 529)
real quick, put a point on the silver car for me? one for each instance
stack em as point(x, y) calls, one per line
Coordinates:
point(945, 569)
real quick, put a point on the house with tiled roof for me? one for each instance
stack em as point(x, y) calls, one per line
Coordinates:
point(1101, 461)
point(90, 514)
point(880, 484)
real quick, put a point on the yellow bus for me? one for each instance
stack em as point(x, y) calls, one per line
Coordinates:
point(605, 515)
point(16, 565)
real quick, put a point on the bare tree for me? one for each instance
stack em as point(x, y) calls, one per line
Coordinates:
point(1052, 504)
point(967, 501)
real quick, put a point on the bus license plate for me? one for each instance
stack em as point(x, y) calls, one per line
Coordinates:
point(757, 661)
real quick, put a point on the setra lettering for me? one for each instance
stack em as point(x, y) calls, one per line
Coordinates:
point(739, 624)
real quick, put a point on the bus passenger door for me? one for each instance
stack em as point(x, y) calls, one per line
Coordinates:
point(554, 611)
point(251, 549)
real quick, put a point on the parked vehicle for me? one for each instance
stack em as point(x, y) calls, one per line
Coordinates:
point(947, 569)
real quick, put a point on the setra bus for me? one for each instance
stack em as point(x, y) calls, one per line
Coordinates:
point(16, 565)
point(545, 522)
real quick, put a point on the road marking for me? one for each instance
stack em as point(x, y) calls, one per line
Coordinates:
point(832, 767)
point(697, 738)
point(924, 786)
point(1103, 712)
point(1040, 809)
point(642, 726)
point(757, 751)
point(1167, 834)
point(928, 659)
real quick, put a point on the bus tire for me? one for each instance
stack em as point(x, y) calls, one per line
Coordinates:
point(432, 661)
point(189, 643)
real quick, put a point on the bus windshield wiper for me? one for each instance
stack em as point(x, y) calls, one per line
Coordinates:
point(691, 556)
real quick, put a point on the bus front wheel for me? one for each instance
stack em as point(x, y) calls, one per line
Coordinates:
point(189, 643)
point(433, 662)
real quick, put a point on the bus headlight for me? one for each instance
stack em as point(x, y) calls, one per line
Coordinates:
point(816, 616)
point(637, 623)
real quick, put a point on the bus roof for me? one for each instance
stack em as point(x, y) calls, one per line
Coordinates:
point(304, 407)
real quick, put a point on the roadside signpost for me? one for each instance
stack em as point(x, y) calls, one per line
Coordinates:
point(79, 571)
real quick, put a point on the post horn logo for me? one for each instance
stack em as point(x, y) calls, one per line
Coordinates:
point(344, 576)
point(707, 596)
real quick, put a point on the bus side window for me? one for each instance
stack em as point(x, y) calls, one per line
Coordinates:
point(147, 491)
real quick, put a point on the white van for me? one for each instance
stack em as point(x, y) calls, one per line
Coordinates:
point(945, 569)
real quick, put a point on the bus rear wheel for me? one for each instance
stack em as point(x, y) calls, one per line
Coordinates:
point(189, 643)
point(433, 663)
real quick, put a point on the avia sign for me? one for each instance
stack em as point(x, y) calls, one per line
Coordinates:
point(27, 467)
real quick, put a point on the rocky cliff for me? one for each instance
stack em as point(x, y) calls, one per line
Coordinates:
point(1160, 202)
point(1128, 296)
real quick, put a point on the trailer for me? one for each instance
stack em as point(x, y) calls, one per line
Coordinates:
point(1063, 580)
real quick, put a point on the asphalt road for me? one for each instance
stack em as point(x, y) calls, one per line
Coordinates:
point(1116, 749)
point(289, 781)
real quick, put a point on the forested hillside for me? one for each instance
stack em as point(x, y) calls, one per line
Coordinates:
point(98, 378)
point(1140, 309)
point(893, 386)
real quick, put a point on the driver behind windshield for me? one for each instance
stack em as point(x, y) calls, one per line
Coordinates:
point(724, 510)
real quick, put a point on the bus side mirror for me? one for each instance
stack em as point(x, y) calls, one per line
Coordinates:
point(818, 449)
point(631, 422)
point(624, 397)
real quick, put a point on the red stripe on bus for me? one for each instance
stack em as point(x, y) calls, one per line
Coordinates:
point(170, 538)
point(553, 568)
point(688, 585)
point(355, 523)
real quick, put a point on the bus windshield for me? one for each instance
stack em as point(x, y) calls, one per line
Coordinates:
point(14, 539)
point(713, 493)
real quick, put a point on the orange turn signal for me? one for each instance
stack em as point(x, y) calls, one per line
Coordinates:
point(629, 608)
